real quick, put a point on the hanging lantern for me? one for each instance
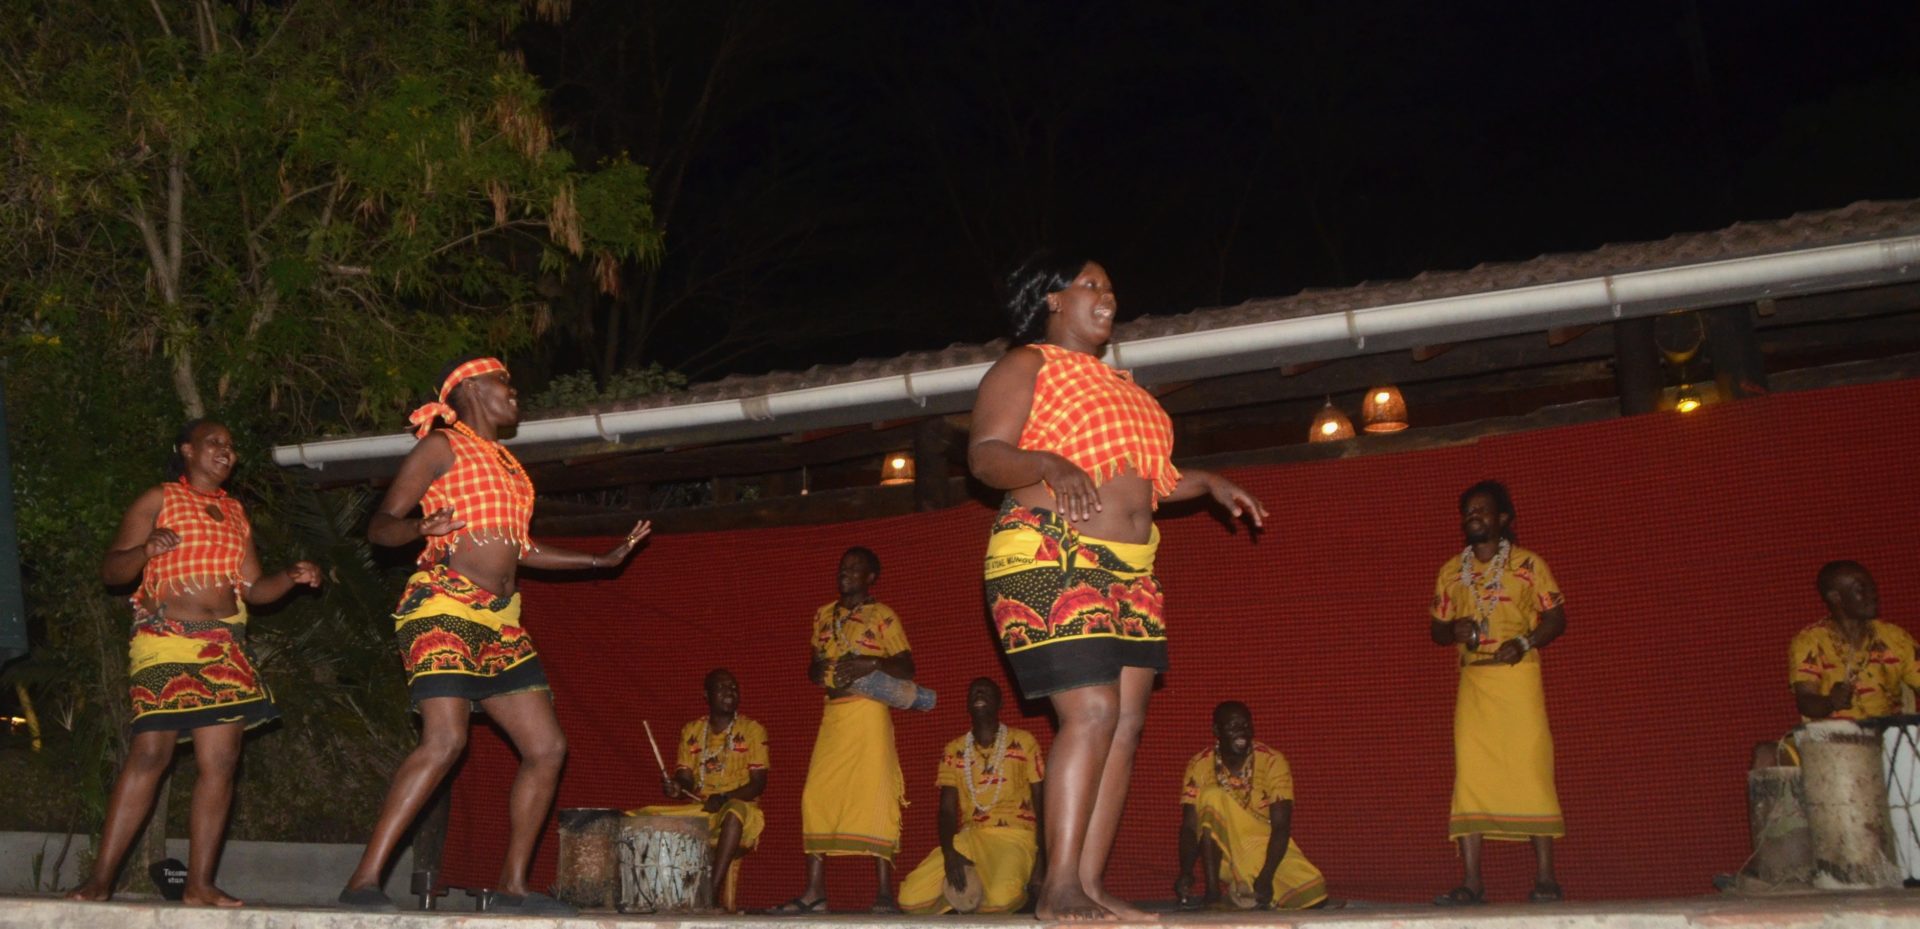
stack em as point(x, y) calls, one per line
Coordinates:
point(1687, 399)
point(1384, 410)
point(1331, 425)
point(897, 469)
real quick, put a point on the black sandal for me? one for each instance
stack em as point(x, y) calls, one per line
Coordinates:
point(797, 907)
point(1461, 896)
point(1546, 892)
point(367, 900)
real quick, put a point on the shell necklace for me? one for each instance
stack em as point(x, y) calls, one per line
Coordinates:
point(1486, 597)
point(993, 767)
point(1228, 779)
point(707, 756)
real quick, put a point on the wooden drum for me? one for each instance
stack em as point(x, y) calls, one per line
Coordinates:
point(1846, 791)
point(665, 864)
point(586, 875)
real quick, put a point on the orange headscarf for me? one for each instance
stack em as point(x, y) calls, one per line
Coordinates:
point(422, 418)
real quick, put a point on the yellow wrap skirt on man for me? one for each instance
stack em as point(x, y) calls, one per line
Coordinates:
point(854, 792)
point(1242, 836)
point(1003, 856)
point(1503, 756)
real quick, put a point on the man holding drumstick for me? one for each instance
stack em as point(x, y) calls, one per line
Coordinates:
point(1850, 665)
point(721, 765)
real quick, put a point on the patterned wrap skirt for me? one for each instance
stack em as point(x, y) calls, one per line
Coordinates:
point(189, 674)
point(458, 639)
point(1071, 610)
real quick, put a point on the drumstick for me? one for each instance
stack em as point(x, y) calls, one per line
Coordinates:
point(662, 762)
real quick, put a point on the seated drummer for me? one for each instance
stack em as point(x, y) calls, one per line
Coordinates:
point(1236, 812)
point(1851, 664)
point(989, 814)
point(722, 765)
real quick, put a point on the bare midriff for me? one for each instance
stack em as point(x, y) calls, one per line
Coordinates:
point(215, 602)
point(494, 564)
point(1126, 508)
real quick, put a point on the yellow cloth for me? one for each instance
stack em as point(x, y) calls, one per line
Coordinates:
point(851, 803)
point(1502, 749)
point(1503, 756)
point(868, 629)
point(724, 759)
point(1007, 793)
point(1821, 657)
point(1002, 855)
point(1234, 811)
point(752, 821)
point(1527, 589)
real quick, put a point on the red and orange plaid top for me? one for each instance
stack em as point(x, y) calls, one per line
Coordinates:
point(1099, 419)
point(487, 487)
point(214, 540)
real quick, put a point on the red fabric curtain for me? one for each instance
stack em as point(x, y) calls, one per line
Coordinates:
point(1686, 545)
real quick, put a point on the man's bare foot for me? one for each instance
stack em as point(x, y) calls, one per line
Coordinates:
point(209, 896)
point(1068, 904)
point(90, 893)
point(1121, 909)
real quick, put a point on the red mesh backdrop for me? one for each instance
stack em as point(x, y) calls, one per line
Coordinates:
point(1686, 545)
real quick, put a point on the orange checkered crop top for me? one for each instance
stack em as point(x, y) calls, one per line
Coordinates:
point(1096, 417)
point(487, 487)
point(214, 536)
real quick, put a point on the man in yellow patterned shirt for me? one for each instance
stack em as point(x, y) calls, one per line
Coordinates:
point(721, 764)
point(1497, 605)
point(989, 814)
point(1852, 664)
point(854, 790)
point(1236, 814)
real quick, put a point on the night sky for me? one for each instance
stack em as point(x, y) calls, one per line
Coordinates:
point(863, 172)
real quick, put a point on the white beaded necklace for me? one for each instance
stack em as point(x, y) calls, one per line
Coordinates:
point(706, 756)
point(1485, 598)
point(1225, 778)
point(993, 767)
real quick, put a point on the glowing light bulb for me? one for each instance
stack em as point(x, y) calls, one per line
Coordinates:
point(1382, 397)
point(1329, 428)
point(899, 462)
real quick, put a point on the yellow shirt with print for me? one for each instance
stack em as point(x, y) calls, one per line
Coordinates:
point(869, 629)
point(1267, 780)
point(1526, 590)
point(1007, 790)
point(725, 758)
point(1820, 656)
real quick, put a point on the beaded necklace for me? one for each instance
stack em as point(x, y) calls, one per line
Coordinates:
point(507, 460)
point(993, 767)
point(1486, 598)
point(1228, 779)
point(706, 756)
point(841, 614)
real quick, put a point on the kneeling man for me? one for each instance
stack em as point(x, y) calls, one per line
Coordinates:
point(1237, 812)
point(989, 814)
point(721, 764)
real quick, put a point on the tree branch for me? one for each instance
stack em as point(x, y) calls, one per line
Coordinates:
point(162, 16)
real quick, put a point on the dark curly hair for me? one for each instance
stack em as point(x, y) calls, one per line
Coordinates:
point(1502, 503)
point(1027, 289)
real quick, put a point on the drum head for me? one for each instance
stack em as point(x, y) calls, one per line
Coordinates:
point(965, 899)
point(1241, 895)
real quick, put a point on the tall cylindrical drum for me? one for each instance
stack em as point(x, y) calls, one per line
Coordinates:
point(1777, 819)
point(587, 874)
point(666, 864)
point(1846, 791)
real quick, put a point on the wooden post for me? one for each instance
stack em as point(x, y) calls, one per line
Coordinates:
point(1738, 367)
point(932, 441)
point(1636, 366)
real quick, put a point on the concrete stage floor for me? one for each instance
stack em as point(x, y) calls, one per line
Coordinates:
point(1888, 910)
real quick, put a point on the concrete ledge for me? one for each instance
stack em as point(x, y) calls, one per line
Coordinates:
point(292, 873)
point(1892, 910)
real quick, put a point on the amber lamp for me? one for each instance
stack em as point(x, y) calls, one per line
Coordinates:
point(1384, 410)
point(897, 469)
point(1331, 425)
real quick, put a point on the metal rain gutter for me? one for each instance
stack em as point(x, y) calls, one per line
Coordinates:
point(1234, 349)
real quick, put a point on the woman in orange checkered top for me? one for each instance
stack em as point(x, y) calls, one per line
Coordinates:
point(458, 622)
point(190, 673)
point(1085, 455)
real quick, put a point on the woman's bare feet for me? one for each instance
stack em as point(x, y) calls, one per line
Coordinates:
point(1121, 909)
point(90, 893)
point(209, 896)
point(1068, 904)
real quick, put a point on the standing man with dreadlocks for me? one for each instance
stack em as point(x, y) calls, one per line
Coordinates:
point(1498, 605)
